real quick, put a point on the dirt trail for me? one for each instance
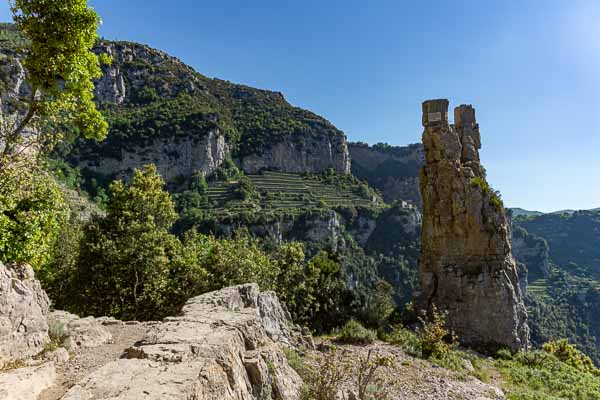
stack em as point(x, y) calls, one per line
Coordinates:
point(86, 360)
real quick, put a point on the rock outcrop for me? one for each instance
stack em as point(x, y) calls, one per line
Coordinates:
point(466, 266)
point(531, 250)
point(27, 383)
point(224, 345)
point(79, 332)
point(310, 154)
point(23, 313)
point(174, 157)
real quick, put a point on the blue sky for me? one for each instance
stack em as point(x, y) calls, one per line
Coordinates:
point(529, 67)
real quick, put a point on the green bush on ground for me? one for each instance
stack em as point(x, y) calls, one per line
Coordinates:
point(354, 333)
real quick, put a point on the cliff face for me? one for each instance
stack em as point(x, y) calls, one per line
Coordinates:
point(311, 154)
point(533, 251)
point(393, 170)
point(161, 111)
point(173, 157)
point(466, 266)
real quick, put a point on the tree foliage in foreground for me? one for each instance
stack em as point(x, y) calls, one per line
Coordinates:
point(60, 68)
point(31, 212)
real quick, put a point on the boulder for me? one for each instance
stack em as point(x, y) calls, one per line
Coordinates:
point(59, 356)
point(23, 313)
point(26, 383)
point(79, 332)
point(224, 345)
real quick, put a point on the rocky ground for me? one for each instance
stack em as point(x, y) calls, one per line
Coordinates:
point(407, 377)
point(232, 344)
point(85, 360)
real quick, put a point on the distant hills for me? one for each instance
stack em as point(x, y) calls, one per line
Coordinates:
point(521, 212)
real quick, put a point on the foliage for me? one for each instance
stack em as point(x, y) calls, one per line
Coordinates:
point(329, 377)
point(59, 272)
point(354, 333)
point(572, 239)
point(541, 375)
point(228, 171)
point(233, 261)
point(564, 305)
point(31, 211)
point(405, 339)
point(504, 354)
point(568, 354)
point(493, 195)
point(128, 265)
point(337, 371)
point(312, 290)
point(369, 383)
point(436, 341)
point(60, 68)
point(57, 333)
point(125, 257)
point(246, 189)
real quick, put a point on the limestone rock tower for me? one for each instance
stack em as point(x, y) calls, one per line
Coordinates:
point(466, 268)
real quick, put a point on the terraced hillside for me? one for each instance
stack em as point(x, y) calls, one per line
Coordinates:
point(538, 288)
point(290, 193)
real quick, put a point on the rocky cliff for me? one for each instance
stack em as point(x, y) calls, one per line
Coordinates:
point(394, 170)
point(310, 154)
point(532, 251)
point(466, 265)
point(161, 111)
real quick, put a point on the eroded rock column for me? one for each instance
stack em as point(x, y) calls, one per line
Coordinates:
point(466, 267)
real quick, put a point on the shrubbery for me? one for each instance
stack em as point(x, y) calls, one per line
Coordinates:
point(337, 372)
point(487, 191)
point(354, 333)
point(32, 210)
point(539, 374)
point(569, 354)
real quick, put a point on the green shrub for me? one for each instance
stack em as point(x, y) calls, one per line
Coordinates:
point(330, 376)
point(541, 375)
point(436, 341)
point(370, 384)
point(57, 332)
point(125, 259)
point(406, 339)
point(354, 333)
point(504, 354)
point(569, 354)
point(297, 363)
point(32, 209)
point(487, 191)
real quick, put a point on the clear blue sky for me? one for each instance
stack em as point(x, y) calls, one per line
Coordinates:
point(529, 67)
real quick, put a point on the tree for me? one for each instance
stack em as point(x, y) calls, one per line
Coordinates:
point(127, 256)
point(60, 68)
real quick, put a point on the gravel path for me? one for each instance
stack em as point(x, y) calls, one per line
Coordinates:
point(87, 360)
